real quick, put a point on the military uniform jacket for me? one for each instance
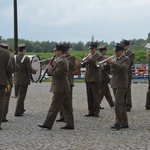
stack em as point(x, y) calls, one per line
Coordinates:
point(92, 71)
point(131, 56)
point(105, 71)
point(119, 69)
point(59, 72)
point(23, 70)
point(12, 67)
point(5, 67)
point(71, 62)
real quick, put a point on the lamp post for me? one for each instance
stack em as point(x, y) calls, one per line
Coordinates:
point(15, 28)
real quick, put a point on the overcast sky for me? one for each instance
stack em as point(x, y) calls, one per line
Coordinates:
point(76, 20)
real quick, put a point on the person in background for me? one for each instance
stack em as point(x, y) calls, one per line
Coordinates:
point(92, 79)
point(105, 79)
point(119, 84)
point(131, 56)
point(22, 77)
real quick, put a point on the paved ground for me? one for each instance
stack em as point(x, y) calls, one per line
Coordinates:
point(22, 133)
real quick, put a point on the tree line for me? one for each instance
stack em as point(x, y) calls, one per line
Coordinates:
point(47, 46)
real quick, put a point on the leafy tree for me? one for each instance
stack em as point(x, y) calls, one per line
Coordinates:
point(37, 48)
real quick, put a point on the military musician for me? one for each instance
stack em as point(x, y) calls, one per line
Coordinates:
point(131, 56)
point(60, 87)
point(22, 76)
point(105, 79)
point(5, 75)
point(92, 79)
point(119, 84)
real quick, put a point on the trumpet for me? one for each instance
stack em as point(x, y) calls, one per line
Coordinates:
point(85, 58)
point(98, 64)
point(7, 88)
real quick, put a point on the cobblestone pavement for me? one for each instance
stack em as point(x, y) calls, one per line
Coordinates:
point(22, 133)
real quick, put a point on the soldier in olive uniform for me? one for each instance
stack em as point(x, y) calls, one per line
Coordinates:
point(131, 56)
point(5, 74)
point(105, 79)
point(22, 77)
point(71, 62)
point(92, 79)
point(119, 84)
point(8, 93)
point(148, 92)
point(60, 87)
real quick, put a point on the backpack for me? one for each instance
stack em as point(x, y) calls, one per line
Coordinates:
point(77, 67)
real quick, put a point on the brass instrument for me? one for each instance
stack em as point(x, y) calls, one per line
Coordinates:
point(98, 64)
point(45, 60)
point(85, 58)
point(7, 89)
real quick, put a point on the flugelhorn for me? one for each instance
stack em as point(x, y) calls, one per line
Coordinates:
point(98, 64)
point(85, 58)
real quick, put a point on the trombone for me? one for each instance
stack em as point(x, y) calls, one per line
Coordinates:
point(98, 64)
point(85, 58)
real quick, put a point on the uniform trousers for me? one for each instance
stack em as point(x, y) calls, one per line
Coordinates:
point(92, 89)
point(6, 103)
point(128, 96)
point(105, 91)
point(2, 95)
point(148, 96)
point(59, 100)
point(62, 116)
point(22, 91)
point(120, 108)
point(16, 90)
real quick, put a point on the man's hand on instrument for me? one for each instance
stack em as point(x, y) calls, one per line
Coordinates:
point(109, 61)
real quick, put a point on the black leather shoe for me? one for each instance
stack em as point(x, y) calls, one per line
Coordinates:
point(116, 126)
point(89, 115)
point(128, 109)
point(0, 128)
point(43, 126)
point(60, 120)
point(66, 127)
point(124, 127)
point(19, 115)
point(147, 108)
point(5, 120)
point(96, 115)
point(101, 107)
point(112, 105)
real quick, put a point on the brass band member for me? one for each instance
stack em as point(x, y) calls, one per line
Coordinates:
point(92, 79)
point(71, 62)
point(5, 74)
point(105, 79)
point(131, 56)
point(119, 84)
point(22, 77)
point(60, 87)
point(10, 85)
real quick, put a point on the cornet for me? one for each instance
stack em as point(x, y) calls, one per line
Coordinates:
point(98, 64)
point(85, 58)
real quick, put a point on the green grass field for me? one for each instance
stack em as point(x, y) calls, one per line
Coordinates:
point(140, 55)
